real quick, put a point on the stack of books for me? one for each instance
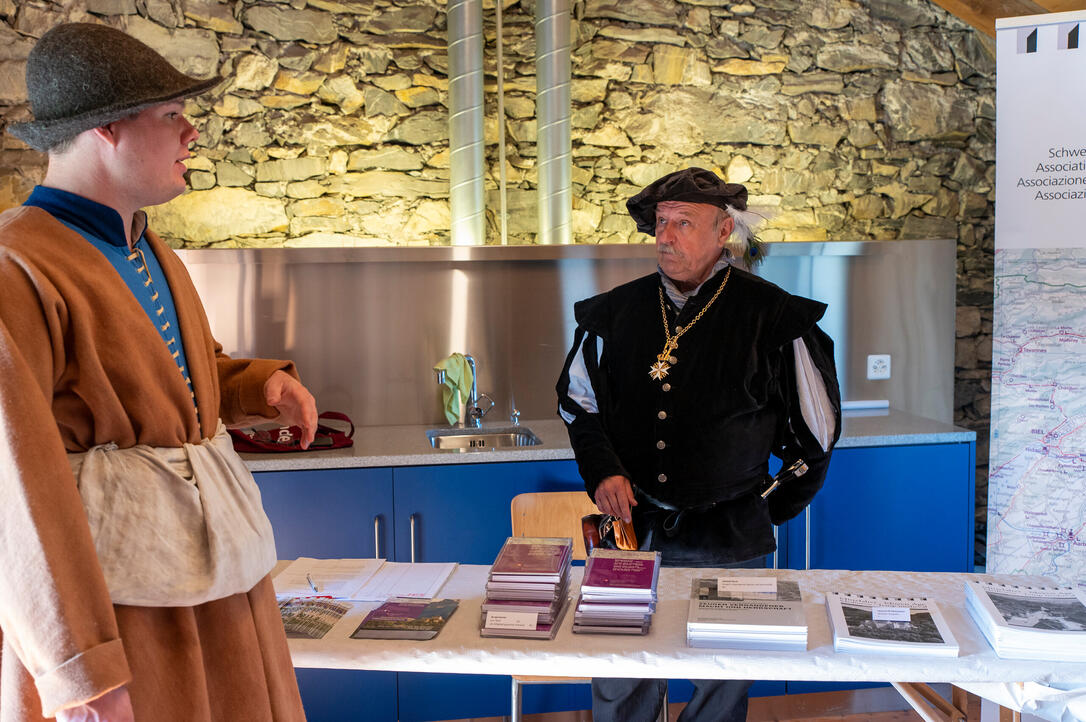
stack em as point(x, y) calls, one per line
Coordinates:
point(618, 592)
point(889, 625)
point(746, 613)
point(527, 590)
point(1030, 622)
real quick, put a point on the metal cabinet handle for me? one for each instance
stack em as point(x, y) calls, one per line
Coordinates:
point(775, 549)
point(377, 536)
point(807, 538)
point(412, 520)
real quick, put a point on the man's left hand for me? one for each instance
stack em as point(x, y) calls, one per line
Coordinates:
point(295, 404)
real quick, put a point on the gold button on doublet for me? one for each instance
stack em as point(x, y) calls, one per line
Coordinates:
point(666, 387)
point(672, 360)
point(661, 478)
point(660, 444)
point(662, 415)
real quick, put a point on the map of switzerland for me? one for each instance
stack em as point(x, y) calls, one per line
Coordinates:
point(1037, 483)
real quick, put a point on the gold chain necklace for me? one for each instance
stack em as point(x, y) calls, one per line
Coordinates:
point(664, 360)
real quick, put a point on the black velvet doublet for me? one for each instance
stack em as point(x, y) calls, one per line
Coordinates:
point(701, 437)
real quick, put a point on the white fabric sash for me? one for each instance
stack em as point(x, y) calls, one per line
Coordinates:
point(175, 527)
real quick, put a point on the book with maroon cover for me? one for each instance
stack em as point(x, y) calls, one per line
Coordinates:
point(617, 575)
point(532, 559)
point(404, 618)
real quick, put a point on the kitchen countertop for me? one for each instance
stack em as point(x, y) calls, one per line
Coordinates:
point(376, 446)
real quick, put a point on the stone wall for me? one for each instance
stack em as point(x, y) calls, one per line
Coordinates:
point(846, 120)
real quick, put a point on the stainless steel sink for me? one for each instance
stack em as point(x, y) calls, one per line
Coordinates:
point(484, 439)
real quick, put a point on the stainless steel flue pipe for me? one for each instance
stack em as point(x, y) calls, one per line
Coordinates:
point(466, 144)
point(552, 107)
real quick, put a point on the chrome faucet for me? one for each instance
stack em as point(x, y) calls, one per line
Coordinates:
point(473, 413)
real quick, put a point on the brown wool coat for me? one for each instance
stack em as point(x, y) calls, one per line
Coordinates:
point(82, 365)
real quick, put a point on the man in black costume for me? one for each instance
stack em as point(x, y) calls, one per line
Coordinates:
point(679, 386)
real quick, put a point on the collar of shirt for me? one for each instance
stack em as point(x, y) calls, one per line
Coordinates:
point(99, 220)
point(678, 297)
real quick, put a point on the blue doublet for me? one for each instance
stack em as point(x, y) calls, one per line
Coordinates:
point(139, 268)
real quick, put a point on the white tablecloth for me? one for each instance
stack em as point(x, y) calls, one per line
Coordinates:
point(663, 652)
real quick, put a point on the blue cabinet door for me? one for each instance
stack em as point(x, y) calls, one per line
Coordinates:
point(330, 514)
point(461, 514)
point(899, 508)
point(339, 695)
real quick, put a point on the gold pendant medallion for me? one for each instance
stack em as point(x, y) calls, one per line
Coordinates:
point(665, 360)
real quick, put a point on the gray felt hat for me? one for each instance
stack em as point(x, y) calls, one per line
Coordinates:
point(81, 76)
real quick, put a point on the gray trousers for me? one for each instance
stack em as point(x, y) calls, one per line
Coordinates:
point(639, 700)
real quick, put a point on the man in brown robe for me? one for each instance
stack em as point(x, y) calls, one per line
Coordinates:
point(105, 350)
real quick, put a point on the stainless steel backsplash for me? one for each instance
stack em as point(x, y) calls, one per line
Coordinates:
point(366, 325)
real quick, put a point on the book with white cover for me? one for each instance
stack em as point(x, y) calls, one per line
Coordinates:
point(544, 611)
point(604, 608)
point(538, 629)
point(642, 629)
point(746, 619)
point(890, 625)
point(1030, 621)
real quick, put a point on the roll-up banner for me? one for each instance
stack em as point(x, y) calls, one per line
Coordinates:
point(1037, 472)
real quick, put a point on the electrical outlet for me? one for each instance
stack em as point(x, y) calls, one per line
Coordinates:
point(878, 366)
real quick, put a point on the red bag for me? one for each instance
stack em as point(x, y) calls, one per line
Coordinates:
point(288, 438)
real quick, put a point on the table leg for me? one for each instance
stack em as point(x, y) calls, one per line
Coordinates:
point(1009, 715)
point(961, 700)
point(929, 704)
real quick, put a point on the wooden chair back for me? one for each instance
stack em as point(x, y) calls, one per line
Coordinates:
point(552, 513)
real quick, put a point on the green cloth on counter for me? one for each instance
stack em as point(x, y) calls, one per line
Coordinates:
point(457, 384)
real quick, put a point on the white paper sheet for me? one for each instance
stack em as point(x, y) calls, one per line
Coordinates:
point(404, 579)
point(335, 578)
